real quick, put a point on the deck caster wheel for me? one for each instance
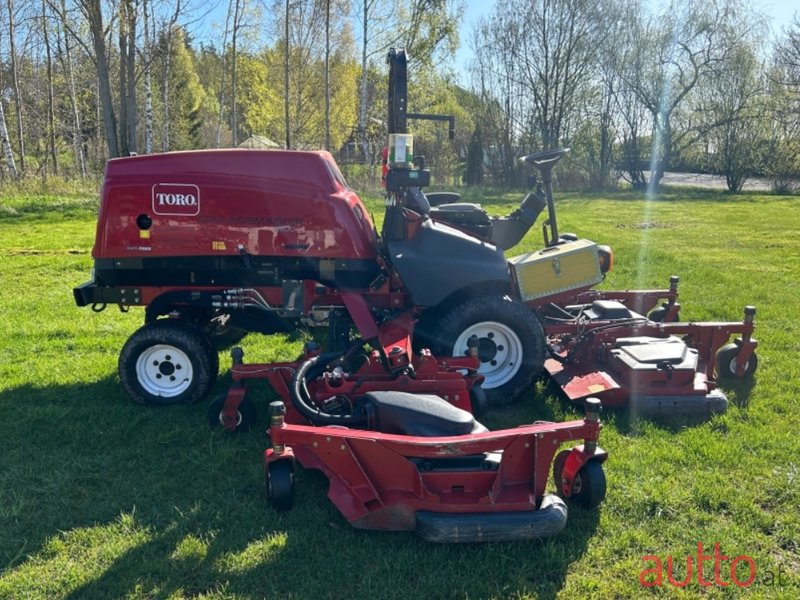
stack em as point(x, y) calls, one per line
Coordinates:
point(657, 315)
point(245, 415)
point(726, 363)
point(478, 401)
point(589, 484)
point(280, 484)
point(168, 362)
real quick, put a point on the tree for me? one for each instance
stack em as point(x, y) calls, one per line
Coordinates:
point(733, 97)
point(784, 163)
point(474, 171)
point(496, 82)
point(93, 13)
point(556, 43)
point(668, 55)
point(51, 123)
point(148, 83)
point(67, 66)
point(128, 10)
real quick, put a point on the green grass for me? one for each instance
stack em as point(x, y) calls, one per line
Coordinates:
point(100, 498)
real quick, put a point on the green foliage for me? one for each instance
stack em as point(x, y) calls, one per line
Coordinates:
point(188, 106)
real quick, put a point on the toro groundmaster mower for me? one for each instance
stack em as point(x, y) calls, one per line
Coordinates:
point(271, 241)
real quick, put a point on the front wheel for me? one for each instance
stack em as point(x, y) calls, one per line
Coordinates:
point(511, 343)
point(167, 362)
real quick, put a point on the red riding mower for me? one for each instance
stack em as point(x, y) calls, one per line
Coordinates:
point(273, 241)
point(214, 242)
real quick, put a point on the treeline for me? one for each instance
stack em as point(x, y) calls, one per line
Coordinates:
point(639, 87)
point(634, 89)
point(87, 80)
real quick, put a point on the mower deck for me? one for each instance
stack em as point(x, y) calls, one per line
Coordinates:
point(659, 369)
point(476, 487)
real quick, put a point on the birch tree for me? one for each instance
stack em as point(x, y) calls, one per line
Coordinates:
point(15, 81)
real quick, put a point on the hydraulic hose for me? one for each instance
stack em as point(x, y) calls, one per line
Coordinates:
point(301, 398)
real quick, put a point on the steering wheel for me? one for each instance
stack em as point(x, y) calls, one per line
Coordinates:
point(546, 157)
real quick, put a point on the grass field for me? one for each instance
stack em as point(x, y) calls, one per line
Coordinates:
point(101, 498)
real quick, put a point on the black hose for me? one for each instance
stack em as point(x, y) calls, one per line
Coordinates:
point(301, 398)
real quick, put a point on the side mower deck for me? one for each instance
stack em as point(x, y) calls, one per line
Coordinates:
point(659, 369)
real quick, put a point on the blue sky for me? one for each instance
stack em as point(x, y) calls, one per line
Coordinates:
point(780, 12)
point(212, 15)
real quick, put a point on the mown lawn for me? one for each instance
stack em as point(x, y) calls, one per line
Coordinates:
point(101, 498)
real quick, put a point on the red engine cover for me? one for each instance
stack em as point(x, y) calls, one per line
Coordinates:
point(214, 202)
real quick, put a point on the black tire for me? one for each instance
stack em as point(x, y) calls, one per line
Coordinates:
point(245, 417)
point(280, 484)
point(511, 343)
point(726, 363)
point(589, 485)
point(478, 401)
point(168, 362)
point(657, 315)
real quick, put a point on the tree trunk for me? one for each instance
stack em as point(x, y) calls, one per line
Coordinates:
point(165, 142)
point(362, 94)
point(6, 143)
point(94, 16)
point(327, 74)
point(224, 79)
point(124, 146)
point(237, 16)
point(51, 124)
point(130, 71)
point(77, 136)
point(286, 78)
point(15, 80)
point(148, 91)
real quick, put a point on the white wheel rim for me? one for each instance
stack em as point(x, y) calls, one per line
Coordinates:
point(221, 417)
point(499, 349)
point(164, 370)
point(732, 366)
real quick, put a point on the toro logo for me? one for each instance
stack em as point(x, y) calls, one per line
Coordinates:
point(176, 199)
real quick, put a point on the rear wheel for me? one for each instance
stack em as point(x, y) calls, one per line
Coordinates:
point(167, 362)
point(511, 344)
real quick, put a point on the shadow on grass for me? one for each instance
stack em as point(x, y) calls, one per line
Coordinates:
point(147, 501)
